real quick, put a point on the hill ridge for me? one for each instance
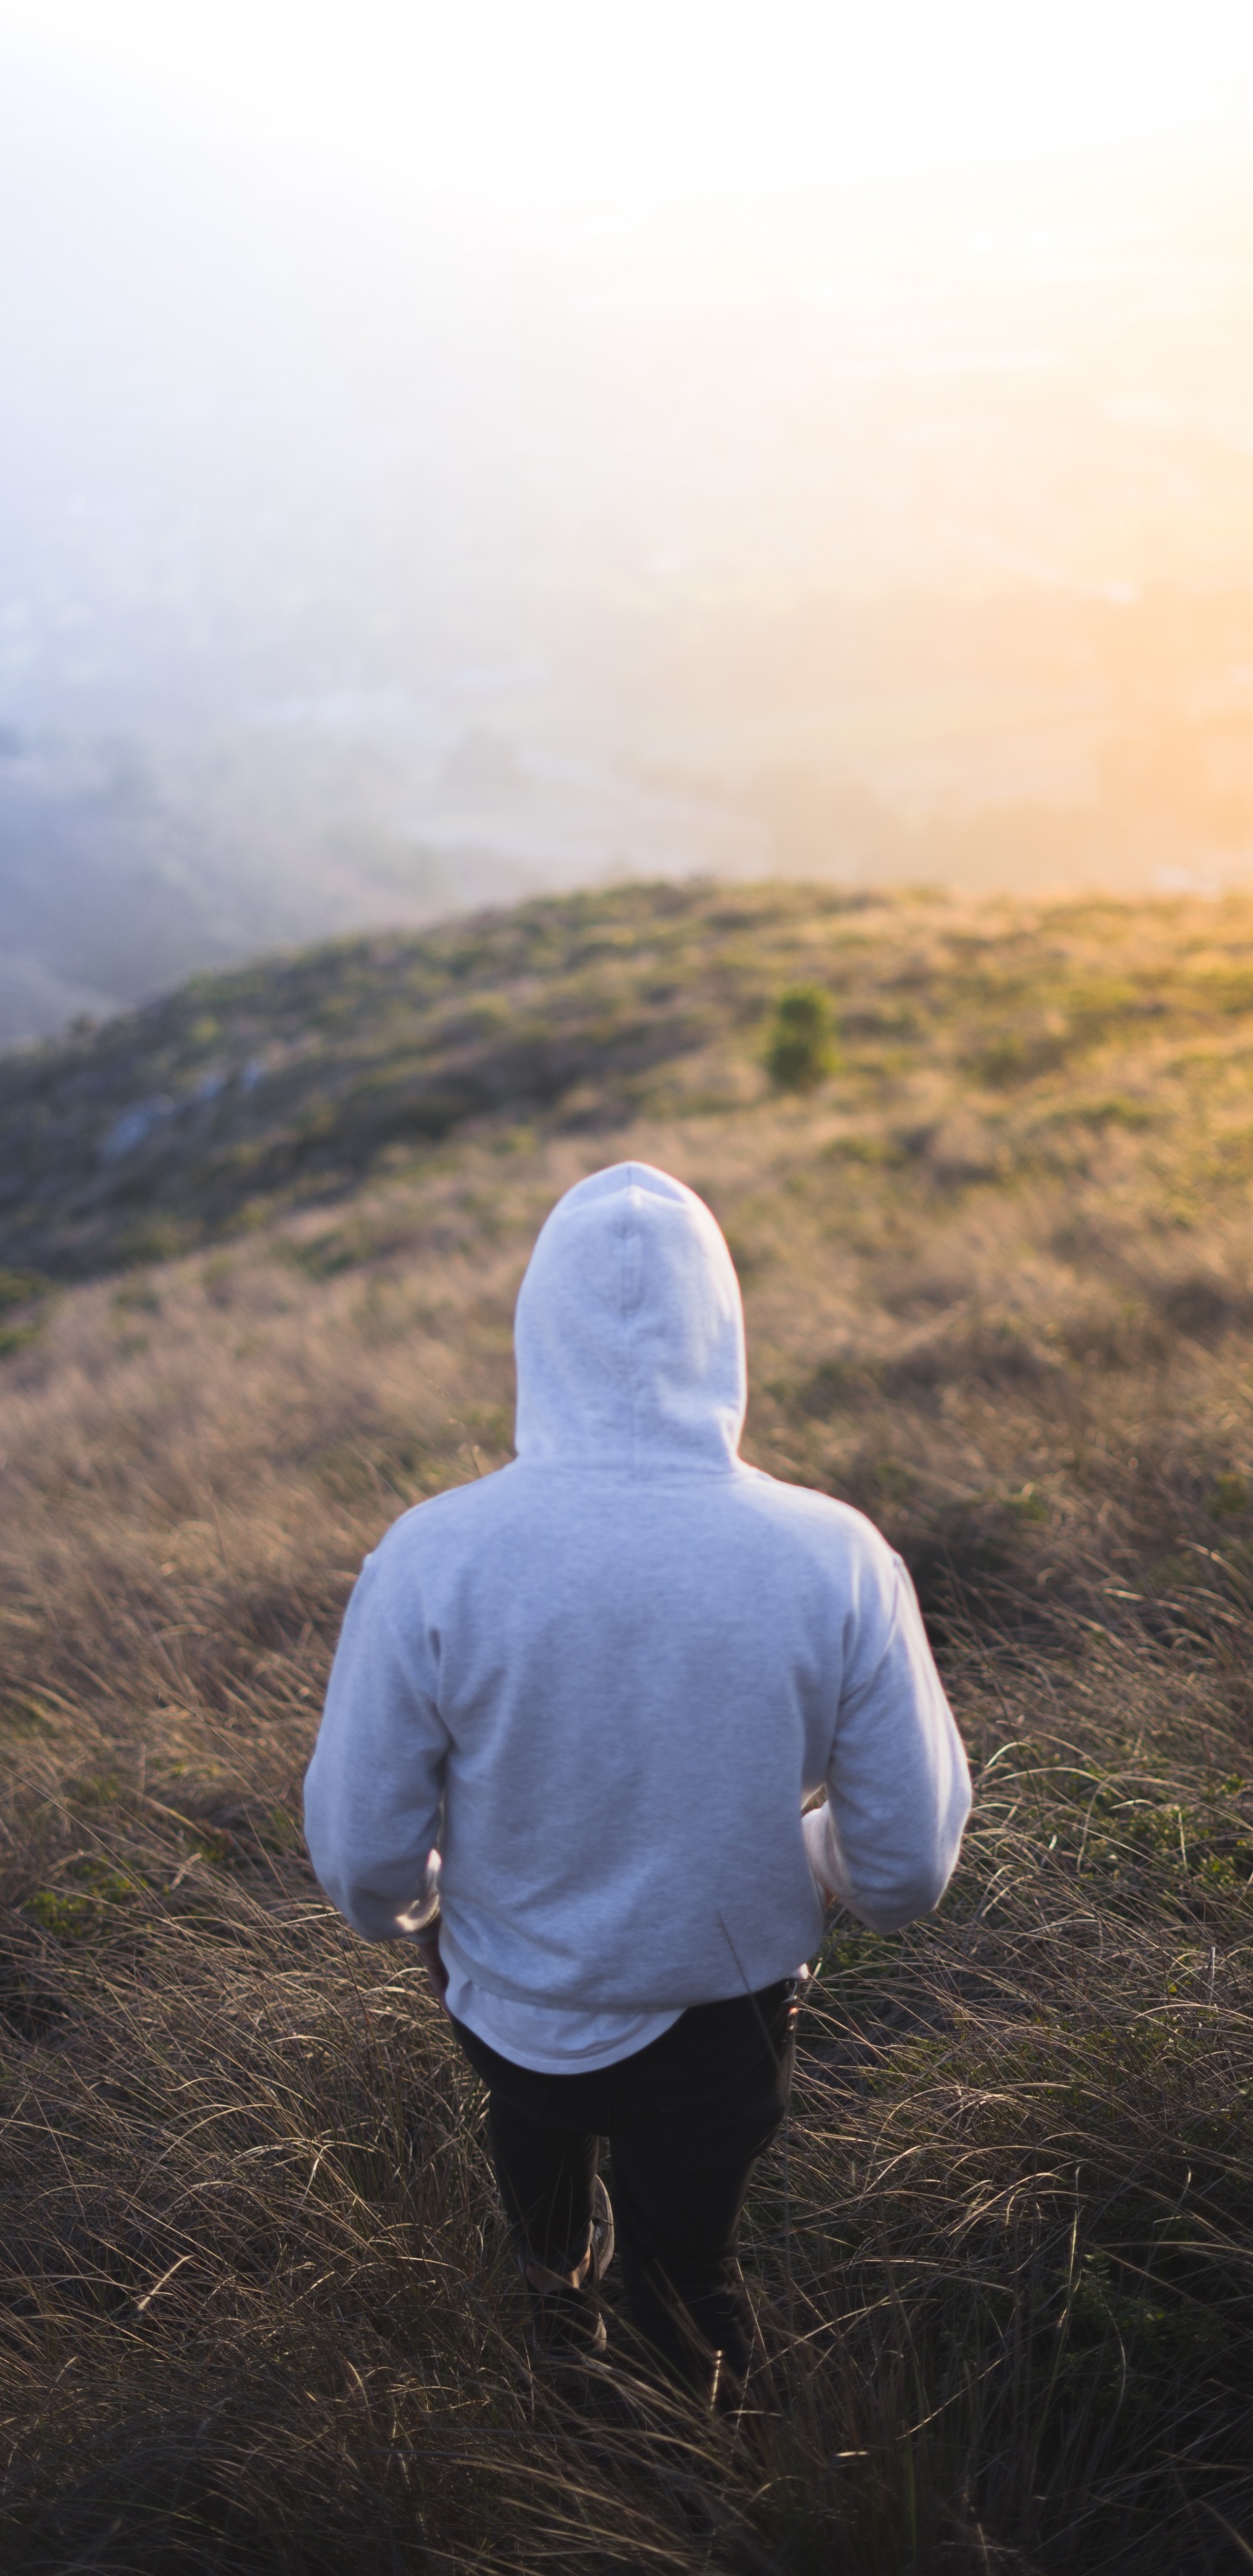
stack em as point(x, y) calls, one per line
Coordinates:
point(260, 1087)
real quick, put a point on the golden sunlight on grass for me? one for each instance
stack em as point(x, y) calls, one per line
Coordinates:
point(998, 1267)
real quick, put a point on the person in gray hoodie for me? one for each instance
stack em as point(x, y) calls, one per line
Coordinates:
point(588, 1697)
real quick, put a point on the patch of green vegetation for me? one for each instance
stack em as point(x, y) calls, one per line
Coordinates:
point(153, 1239)
point(800, 1049)
point(218, 1849)
point(1099, 1002)
point(346, 1247)
point(65, 1914)
point(1113, 1109)
point(19, 1288)
point(25, 1296)
point(17, 1337)
point(872, 1151)
point(1228, 989)
point(74, 1911)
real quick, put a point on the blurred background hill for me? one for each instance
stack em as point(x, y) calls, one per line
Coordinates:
point(445, 460)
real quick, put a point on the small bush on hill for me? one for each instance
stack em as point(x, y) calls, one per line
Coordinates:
point(800, 1053)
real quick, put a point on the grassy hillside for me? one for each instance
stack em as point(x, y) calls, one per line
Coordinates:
point(260, 1246)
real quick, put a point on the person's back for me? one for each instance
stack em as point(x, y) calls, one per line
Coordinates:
point(602, 1681)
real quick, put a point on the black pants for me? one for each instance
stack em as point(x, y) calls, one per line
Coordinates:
point(686, 2119)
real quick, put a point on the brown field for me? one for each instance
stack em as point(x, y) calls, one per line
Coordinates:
point(998, 1269)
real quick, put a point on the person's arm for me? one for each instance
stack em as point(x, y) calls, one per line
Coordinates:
point(374, 1786)
point(898, 1787)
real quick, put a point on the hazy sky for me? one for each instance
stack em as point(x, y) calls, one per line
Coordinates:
point(328, 319)
point(332, 326)
point(457, 425)
point(526, 101)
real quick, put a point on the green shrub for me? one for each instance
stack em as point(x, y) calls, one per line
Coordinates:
point(21, 1288)
point(801, 1050)
point(20, 1291)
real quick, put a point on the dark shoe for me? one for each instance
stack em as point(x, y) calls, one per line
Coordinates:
point(566, 2325)
point(602, 2233)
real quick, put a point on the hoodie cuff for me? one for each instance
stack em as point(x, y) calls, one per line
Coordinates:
point(826, 1860)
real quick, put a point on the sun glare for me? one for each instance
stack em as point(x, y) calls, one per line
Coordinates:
point(532, 438)
point(534, 100)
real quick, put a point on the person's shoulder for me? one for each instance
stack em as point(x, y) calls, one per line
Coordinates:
point(839, 1557)
point(427, 1526)
point(823, 1518)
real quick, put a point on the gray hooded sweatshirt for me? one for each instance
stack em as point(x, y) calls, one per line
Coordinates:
point(601, 1681)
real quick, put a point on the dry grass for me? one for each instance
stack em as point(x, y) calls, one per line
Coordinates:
point(255, 2315)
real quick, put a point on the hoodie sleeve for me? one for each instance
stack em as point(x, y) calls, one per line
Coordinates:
point(374, 1786)
point(898, 1788)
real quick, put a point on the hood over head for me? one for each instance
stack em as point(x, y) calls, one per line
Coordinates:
point(629, 1330)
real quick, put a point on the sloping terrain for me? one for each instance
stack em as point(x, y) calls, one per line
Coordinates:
point(291, 1080)
point(247, 1091)
point(998, 1268)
